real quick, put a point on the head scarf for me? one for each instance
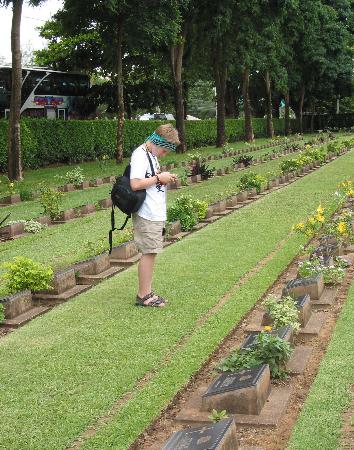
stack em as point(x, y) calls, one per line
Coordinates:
point(161, 141)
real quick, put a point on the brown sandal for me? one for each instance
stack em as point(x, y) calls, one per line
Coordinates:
point(154, 303)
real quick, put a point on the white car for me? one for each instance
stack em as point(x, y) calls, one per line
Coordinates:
point(156, 116)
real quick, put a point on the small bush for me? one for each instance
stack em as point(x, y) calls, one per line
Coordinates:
point(283, 312)
point(74, 176)
point(188, 211)
point(267, 349)
point(251, 180)
point(289, 165)
point(246, 160)
point(23, 273)
point(30, 226)
point(51, 202)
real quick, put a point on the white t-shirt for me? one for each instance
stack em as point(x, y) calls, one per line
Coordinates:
point(154, 206)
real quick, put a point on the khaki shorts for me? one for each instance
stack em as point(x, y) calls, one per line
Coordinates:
point(148, 234)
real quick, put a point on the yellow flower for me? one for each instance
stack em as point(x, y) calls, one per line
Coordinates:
point(267, 328)
point(320, 218)
point(350, 193)
point(312, 220)
point(299, 226)
point(342, 227)
point(320, 209)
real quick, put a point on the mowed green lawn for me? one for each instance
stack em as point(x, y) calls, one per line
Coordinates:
point(95, 169)
point(330, 394)
point(32, 209)
point(62, 245)
point(61, 372)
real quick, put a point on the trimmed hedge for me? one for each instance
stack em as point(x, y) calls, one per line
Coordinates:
point(56, 141)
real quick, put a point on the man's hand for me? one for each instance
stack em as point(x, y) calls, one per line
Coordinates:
point(167, 177)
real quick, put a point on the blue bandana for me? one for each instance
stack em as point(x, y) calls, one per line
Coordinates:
point(161, 142)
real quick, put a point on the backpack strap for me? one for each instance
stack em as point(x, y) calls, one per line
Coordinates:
point(151, 164)
point(113, 224)
point(113, 227)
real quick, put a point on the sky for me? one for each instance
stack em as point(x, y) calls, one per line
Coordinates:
point(31, 19)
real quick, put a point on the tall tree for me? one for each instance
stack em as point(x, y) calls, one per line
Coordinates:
point(122, 26)
point(15, 171)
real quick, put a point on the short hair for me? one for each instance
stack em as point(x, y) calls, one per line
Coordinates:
point(169, 132)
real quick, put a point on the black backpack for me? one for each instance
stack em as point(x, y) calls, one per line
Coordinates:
point(125, 199)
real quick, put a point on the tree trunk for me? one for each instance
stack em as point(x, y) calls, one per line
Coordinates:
point(287, 113)
point(120, 95)
point(249, 136)
point(312, 123)
point(270, 128)
point(176, 54)
point(14, 137)
point(301, 106)
point(220, 75)
point(230, 101)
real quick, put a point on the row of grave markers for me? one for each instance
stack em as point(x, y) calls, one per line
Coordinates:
point(248, 395)
point(69, 187)
point(17, 230)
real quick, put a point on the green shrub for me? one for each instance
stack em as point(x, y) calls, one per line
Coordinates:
point(51, 201)
point(72, 141)
point(251, 180)
point(331, 274)
point(267, 349)
point(23, 273)
point(74, 176)
point(290, 165)
point(188, 211)
point(283, 312)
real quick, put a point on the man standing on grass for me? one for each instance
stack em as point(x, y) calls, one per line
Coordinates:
point(149, 221)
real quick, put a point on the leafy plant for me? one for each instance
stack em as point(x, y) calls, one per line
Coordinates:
point(2, 314)
point(251, 180)
point(202, 169)
point(93, 248)
point(283, 312)
point(23, 273)
point(25, 193)
point(74, 176)
point(290, 165)
point(51, 201)
point(216, 416)
point(30, 226)
point(246, 160)
point(188, 211)
point(267, 349)
point(333, 274)
point(102, 162)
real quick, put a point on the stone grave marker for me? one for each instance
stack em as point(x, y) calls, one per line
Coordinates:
point(219, 436)
point(313, 286)
point(242, 392)
point(303, 305)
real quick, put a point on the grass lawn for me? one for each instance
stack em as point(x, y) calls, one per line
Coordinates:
point(66, 244)
point(330, 393)
point(32, 209)
point(65, 369)
point(215, 189)
point(95, 169)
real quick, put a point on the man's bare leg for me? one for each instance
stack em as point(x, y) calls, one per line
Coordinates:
point(145, 273)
